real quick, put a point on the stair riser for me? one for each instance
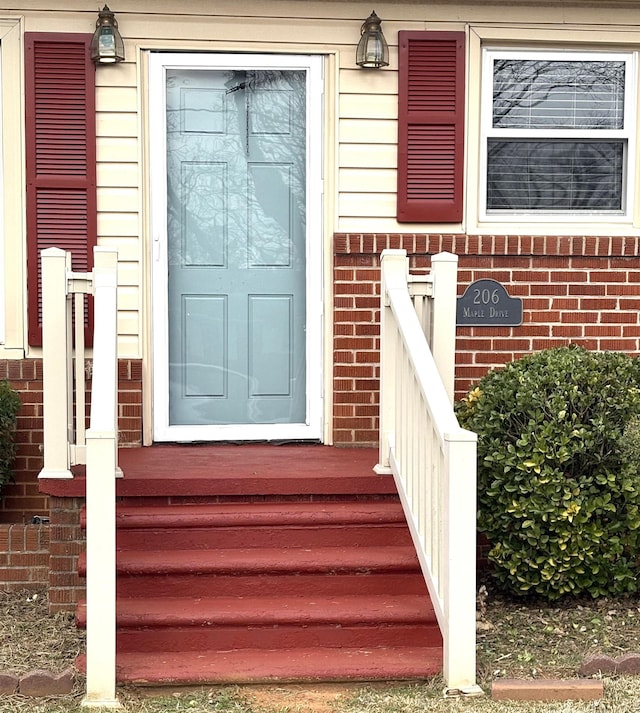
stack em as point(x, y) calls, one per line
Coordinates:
point(188, 538)
point(286, 585)
point(231, 638)
point(265, 612)
point(258, 514)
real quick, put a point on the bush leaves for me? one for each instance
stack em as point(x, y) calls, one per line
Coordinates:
point(558, 471)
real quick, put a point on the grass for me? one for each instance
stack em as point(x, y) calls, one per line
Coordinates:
point(516, 639)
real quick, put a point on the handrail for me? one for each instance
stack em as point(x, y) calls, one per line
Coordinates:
point(64, 428)
point(67, 442)
point(432, 459)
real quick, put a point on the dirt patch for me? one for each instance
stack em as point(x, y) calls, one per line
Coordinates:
point(303, 698)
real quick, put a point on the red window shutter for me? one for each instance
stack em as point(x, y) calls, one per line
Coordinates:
point(430, 126)
point(60, 157)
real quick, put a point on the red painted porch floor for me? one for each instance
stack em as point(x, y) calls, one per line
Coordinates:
point(260, 563)
point(244, 469)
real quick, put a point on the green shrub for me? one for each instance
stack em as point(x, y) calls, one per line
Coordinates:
point(9, 406)
point(558, 471)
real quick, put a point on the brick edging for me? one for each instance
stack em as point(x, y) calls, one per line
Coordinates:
point(37, 683)
point(578, 689)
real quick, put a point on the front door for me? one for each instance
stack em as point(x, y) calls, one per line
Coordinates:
point(236, 324)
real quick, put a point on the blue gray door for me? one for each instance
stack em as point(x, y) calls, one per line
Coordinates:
point(236, 238)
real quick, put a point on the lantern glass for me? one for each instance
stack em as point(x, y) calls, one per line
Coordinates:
point(373, 50)
point(107, 46)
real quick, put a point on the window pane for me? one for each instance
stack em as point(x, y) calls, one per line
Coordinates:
point(555, 175)
point(537, 94)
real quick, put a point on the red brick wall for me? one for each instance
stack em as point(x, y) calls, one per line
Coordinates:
point(21, 499)
point(583, 290)
point(24, 556)
point(67, 543)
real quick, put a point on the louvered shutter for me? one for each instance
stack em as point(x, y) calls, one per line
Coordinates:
point(60, 157)
point(430, 126)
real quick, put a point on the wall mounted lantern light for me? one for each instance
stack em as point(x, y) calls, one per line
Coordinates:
point(373, 50)
point(107, 46)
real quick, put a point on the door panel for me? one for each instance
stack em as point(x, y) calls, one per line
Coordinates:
point(236, 251)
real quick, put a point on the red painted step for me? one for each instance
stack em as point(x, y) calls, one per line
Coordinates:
point(296, 584)
point(273, 525)
point(257, 564)
point(197, 638)
point(278, 611)
point(279, 666)
point(274, 537)
point(262, 561)
point(261, 514)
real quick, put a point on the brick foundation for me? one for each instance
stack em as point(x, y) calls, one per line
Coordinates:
point(67, 542)
point(21, 499)
point(24, 556)
point(575, 289)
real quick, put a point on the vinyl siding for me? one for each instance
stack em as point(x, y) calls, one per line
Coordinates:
point(361, 156)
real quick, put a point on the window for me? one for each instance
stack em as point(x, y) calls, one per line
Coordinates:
point(558, 134)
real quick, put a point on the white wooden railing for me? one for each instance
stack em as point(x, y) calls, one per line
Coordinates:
point(432, 459)
point(67, 442)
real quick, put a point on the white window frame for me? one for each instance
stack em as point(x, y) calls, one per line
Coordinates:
point(12, 191)
point(628, 134)
point(2, 214)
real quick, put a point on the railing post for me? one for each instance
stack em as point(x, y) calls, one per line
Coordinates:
point(393, 273)
point(444, 268)
point(55, 265)
point(459, 556)
point(102, 447)
point(101, 571)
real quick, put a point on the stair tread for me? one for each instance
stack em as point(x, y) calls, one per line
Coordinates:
point(299, 664)
point(333, 559)
point(257, 514)
point(281, 610)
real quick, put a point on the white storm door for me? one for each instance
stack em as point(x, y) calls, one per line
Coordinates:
point(236, 283)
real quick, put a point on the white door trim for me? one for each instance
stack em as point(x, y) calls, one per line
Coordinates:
point(311, 429)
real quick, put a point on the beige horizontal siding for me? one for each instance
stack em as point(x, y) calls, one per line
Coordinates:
point(117, 125)
point(128, 274)
point(117, 149)
point(358, 106)
point(382, 205)
point(129, 324)
point(367, 180)
point(367, 131)
point(364, 126)
point(129, 298)
point(117, 175)
point(118, 224)
point(116, 199)
point(368, 156)
point(117, 99)
point(129, 248)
